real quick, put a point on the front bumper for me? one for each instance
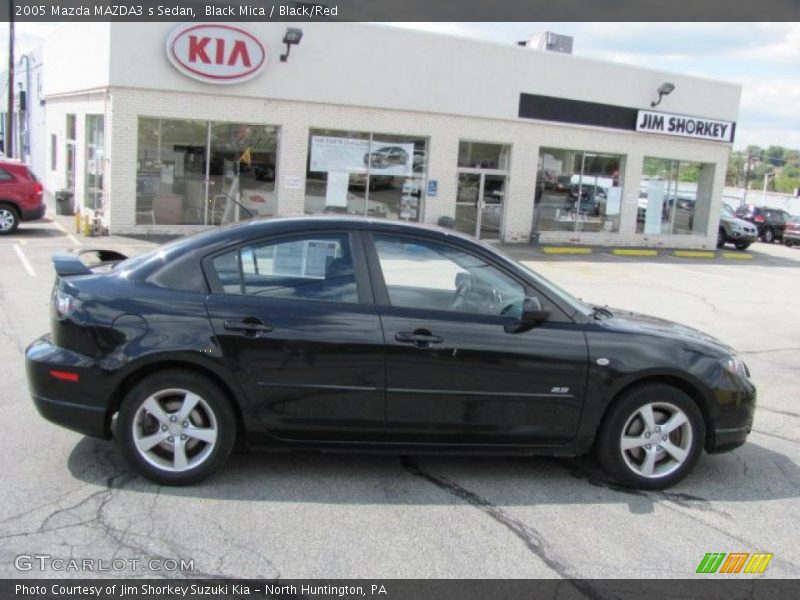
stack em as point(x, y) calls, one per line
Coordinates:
point(735, 407)
point(82, 405)
point(742, 236)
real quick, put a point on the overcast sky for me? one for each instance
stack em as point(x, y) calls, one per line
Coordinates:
point(763, 57)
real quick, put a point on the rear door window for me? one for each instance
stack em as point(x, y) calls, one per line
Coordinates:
point(316, 266)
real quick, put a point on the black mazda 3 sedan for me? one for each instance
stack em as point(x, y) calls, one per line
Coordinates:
point(354, 334)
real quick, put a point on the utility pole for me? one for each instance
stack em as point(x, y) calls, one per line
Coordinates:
point(766, 177)
point(9, 137)
point(746, 178)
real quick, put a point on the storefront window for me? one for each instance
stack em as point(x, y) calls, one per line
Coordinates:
point(199, 173)
point(95, 162)
point(674, 197)
point(70, 153)
point(479, 155)
point(242, 172)
point(371, 174)
point(578, 191)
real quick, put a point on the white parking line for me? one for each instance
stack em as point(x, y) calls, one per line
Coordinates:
point(24, 260)
point(71, 237)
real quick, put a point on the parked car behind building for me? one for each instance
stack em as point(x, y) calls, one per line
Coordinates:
point(769, 221)
point(736, 231)
point(791, 234)
point(21, 197)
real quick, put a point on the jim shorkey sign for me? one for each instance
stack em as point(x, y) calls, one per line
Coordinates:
point(681, 125)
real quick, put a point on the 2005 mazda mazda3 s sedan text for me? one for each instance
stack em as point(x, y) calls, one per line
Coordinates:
point(352, 334)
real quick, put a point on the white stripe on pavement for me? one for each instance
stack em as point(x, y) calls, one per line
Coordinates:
point(71, 237)
point(24, 260)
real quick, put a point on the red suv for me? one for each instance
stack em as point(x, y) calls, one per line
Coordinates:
point(21, 197)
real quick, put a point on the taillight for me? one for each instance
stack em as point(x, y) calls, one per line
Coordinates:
point(64, 375)
point(38, 189)
point(759, 218)
point(64, 304)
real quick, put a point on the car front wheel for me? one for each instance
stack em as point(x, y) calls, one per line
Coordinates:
point(176, 427)
point(651, 438)
point(721, 238)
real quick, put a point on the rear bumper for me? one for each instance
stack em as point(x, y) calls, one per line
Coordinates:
point(88, 420)
point(32, 214)
point(81, 405)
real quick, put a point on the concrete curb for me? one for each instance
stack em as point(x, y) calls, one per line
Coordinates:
point(647, 252)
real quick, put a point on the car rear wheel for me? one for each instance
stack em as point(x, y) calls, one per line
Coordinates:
point(742, 245)
point(9, 219)
point(769, 235)
point(176, 427)
point(651, 438)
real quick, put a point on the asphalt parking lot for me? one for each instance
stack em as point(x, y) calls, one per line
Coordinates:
point(323, 516)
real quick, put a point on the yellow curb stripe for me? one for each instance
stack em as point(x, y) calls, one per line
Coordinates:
point(634, 252)
point(693, 254)
point(565, 250)
point(737, 255)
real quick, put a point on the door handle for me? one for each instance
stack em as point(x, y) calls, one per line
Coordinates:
point(248, 326)
point(421, 338)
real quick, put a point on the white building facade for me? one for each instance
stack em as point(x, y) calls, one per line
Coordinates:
point(497, 141)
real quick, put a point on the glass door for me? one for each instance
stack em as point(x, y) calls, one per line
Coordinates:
point(467, 200)
point(479, 204)
point(493, 191)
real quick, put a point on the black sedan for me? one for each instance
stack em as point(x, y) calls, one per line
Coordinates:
point(352, 334)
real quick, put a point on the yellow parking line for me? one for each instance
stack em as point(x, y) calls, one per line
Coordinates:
point(634, 252)
point(565, 250)
point(737, 255)
point(693, 254)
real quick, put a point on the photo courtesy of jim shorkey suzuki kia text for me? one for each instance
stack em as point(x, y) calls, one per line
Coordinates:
point(238, 590)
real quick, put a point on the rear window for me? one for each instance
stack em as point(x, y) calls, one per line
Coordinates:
point(5, 175)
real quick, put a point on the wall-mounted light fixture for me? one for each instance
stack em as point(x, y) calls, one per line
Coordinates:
point(291, 38)
point(665, 89)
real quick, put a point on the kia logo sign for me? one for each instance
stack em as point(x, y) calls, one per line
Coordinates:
point(216, 53)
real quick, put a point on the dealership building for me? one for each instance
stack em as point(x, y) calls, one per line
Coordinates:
point(165, 128)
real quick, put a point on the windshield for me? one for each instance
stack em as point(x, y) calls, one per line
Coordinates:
point(727, 210)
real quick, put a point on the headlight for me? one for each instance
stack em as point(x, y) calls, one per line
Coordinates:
point(735, 366)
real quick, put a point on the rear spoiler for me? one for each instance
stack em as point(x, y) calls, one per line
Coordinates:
point(67, 265)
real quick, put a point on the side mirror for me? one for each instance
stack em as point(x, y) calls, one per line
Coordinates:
point(532, 315)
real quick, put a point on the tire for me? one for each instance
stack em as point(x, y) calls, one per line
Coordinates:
point(769, 235)
point(626, 418)
point(9, 219)
point(207, 438)
point(721, 238)
point(742, 245)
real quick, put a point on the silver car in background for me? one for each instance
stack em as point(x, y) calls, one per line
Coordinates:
point(733, 230)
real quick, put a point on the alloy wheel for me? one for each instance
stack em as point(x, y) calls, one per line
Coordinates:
point(656, 440)
point(7, 220)
point(175, 430)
